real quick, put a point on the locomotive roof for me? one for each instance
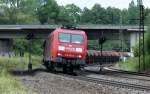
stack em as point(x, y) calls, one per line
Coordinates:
point(70, 31)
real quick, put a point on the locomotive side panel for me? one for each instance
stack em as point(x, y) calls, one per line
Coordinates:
point(85, 46)
point(53, 46)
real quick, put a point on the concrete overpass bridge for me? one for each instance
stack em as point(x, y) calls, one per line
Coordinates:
point(111, 32)
point(41, 31)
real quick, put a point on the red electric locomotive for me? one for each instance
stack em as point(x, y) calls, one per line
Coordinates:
point(65, 48)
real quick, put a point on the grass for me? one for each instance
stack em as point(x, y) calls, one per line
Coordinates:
point(133, 64)
point(8, 83)
point(18, 62)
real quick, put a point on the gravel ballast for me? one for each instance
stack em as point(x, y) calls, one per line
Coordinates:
point(48, 83)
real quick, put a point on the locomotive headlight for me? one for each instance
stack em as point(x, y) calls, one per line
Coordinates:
point(61, 48)
point(78, 49)
point(59, 54)
point(79, 56)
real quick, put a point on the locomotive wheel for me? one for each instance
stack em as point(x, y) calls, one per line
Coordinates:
point(46, 65)
point(53, 67)
point(71, 69)
point(49, 66)
point(64, 68)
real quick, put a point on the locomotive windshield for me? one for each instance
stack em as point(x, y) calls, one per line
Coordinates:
point(70, 38)
point(64, 37)
point(77, 39)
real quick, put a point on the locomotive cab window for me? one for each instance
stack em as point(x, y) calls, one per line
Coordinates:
point(70, 38)
point(77, 39)
point(64, 37)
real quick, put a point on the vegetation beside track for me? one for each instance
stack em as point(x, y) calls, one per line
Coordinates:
point(8, 83)
point(19, 62)
point(133, 64)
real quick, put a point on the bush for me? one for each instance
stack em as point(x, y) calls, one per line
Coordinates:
point(22, 45)
point(133, 64)
point(136, 50)
point(18, 62)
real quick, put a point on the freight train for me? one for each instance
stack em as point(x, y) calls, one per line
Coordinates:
point(106, 57)
point(66, 49)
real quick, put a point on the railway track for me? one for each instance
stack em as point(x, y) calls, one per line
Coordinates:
point(122, 74)
point(103, 81)
point(114, 83)
point(130, 72)
point(112, 70)
point(83, 76)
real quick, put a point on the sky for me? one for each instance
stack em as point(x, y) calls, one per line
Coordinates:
point(104, 3)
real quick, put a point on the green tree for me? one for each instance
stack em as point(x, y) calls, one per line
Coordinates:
point(74, 12)
point(48, 12)
point(133, 13)
point(86, 16)
point(37, 47)
point(125, 19)
point(98, 14)
point(147, 15)
point(63, 16)
point(23, 45)
point(113, 16)
point(17, 12)
point(20, 44)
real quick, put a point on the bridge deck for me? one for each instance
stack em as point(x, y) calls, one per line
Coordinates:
point(97, 27)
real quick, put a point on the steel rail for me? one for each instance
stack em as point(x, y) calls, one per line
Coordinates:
point(114, 83)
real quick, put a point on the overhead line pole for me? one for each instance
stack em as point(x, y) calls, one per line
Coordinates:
point(141, 38)
point(142, 29)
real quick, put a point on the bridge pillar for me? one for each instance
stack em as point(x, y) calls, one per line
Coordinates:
point(134, 39)
point(6, 47)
